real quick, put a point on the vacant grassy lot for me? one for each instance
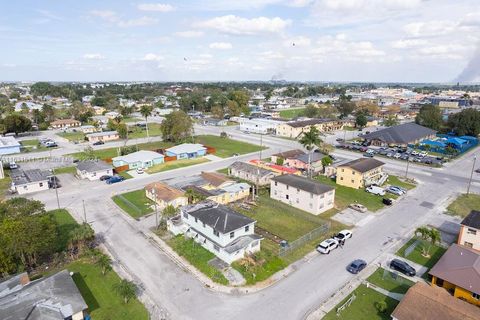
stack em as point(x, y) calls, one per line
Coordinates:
point(197, 256)
point(72, 136)
point(436, 253)
point(363, 307)
point(65, 225)
point(139, 132)
point(345, 196)
point(389, 281)
point(97, 290)
point(61, 170)
point(292, 113)
point(113, 152)
point(32, 145)
point(464, 204)
point(226, 147)
point(175, 165)
point(396, 181)
point(135, 203)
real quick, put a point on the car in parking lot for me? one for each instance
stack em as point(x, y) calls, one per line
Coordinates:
point(140, 171)
point(358, 207)
point(114, 179)
point(387, 201)
point(327, 246)
point(356, 266)
point(368, 155)
point(343, 235)
point(397, 155)
point(395, 190)
point(100, 142)
point(403, 267)
point(105, 177)
point(375, 190)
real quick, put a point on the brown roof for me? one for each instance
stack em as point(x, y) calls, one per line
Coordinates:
point(424, 302)
point(164, 192)
point(460, 266)
point(363, 164)
point(289, 154)
point(64, 121)
point(214, 178)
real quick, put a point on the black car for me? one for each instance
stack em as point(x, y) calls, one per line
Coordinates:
point(403, 267)
point(387, 201)
point(105, 177)
point(356, 266)
point(98, 143)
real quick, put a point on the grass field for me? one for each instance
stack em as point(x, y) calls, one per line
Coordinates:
point(32, 145)
point(5, 184)
point(395, 181)
point(65, 225)
point(226, 147)
point(62, 170)
point(72, 136)
point(113, 152)
point(197, 256)
point(464, 204)
point(345, 196)
point(363, 307)
point(136, 204)
point(436, 253)
point(125, 174)
point(138, 132)
point(390, 281)
point(176, 164)
point(292, 113)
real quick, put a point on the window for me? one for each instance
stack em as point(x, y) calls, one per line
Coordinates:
point(215, 232)
point(287, 197)
point(247, 228)
point(343, 170)
point(311, 195)
point(471, 231)
point(353, 173)
point(439, 282)
point(275, 183)
point(275, 192)
point(341, 178)
point(196, 220)
point(204, 224)
point(41, 184)
point(298, 190)
point(468, 244)
point(322, 196)
point(475, 295)
point(287, 187)
point(353, 181)
point(232, 234)
point(298, 201)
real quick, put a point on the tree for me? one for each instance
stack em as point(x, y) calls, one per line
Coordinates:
point(431, 234)
point(430, 116)
point(105, 263)
point(422, 232)
point(381, 306)
point(361, 120)
point(241, 98)
point(310, 140)
point(16, 123)
point(311, 111)
point(169, 211)
point(390, 121)
point(176, 126)
point(218, 112)
point(465, 122)
point(126, 289)
point(79, 238)
point(326, 161)
point(146, 111)
point(345, 107)
point(122, 130)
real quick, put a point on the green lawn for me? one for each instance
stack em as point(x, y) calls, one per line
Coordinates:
point(175, 164)
point(72, 136)
point(436, 253)
point(292, 113)
point(224, 171)
point(135, 203)
point(5, 184)
point(389, 281)
point(125, 174)
point(345, 196)
point(396, 181)
point(197, 256)
point(32, 145)
point(97, 290)
point(65, 225)
point(61, 170)
point(226, 147)
point(113, 152)
point(131, 119)
point(139, 132)
point(464, 204)
point(363, 307)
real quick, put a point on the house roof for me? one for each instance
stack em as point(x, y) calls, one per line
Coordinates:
point(101, 134)
point(139, 156)
point(363, 164)
point(221, 218)
point(309, 122)
point(236, 187)
point(289, 154)
point(401, 134)
point(186, 148)
point(314, 157)
point(20, 177)
point(460, 266)
point(64, 121)
point(251, 169)
point(93, 165)
point(9, 142)
point(164, 192)
point(423, 301)
point(302, 183)
point(472, 220)
point(214, 178)
point(54, 297)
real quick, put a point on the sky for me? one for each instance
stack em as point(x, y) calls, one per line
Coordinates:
point(237, 40)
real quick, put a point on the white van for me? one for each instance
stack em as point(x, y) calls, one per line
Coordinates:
point(376, 190)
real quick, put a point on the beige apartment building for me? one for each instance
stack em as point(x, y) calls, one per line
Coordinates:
point(469, 235)
point(294, 129)
point(361, 173)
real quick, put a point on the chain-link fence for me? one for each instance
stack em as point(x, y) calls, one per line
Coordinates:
point(315, 233)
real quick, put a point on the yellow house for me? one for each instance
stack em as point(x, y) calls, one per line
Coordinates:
point(458, 271)
point(469, 235)
point(294, 129)
point(360, 173)
point(165, 195)
point(215, 180)
point(224, 195)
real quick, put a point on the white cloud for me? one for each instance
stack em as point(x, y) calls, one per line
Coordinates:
point(300, 41)
point(231, 24)
point(338, 47)
point(205, 56)
point(93, 56)
point(430, 28)
point(189, 34)
point(156, 7)
point(139, 22)
point(407, 43)
point(299, 3)
point(152, 57)
point(220, 45)
point(107, 15)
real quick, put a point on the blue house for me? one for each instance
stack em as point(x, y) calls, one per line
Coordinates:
point(186, 151)
point(9, 145)
point(140, 159)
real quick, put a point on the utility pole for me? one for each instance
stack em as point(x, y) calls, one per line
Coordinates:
point(471, 174)
point(56, 189)
point(84, 212)
point(406, 171)
point(155, 205)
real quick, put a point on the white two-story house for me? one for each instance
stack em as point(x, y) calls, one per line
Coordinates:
point(302, 193)
point(219, 229)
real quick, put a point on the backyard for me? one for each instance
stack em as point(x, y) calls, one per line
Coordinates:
point(464, 204)
point(73, 136)
point(114, 152)
point(226, 147)
point(139, 132)
point(175, 164)
point(135, 203)
point(292, 113)
point(390, 281)
point(416, 256)
point(63, 170)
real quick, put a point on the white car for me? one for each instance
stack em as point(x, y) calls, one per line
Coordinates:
point(343, 235)
point(397, 155)
point(140, 171)
point(376, 190)
point(327, 245)
point(12, 165)
point(423, 154)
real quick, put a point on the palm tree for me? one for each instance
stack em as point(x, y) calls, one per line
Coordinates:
point(126, 289)
point(434, 236)
point(79, 238)
point(146, 111)
point(310, 140)
point(105, 263)
point(422, 232)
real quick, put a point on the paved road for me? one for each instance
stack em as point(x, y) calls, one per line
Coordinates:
point(292, 298)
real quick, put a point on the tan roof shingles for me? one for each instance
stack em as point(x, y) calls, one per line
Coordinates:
point(425, 302)
point(214, 178)
point(164, 192)
point(363, 164)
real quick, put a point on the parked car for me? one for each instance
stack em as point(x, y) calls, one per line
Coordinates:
point(395, 190)
point(387, 201)
point(358, 207)
point(114, 179)
point(403, 267)
point(389, 154)
point(477, 170)
point(376, 190)
point(327, 246)
point(140, 171)
point(13, 165)
point(105, 177)
point(356, 266)
point(339, 140)
point(343, 235)
point(397, 155)
point(368, 155)
point(100, 142)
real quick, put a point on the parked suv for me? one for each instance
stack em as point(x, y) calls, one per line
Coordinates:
point(327, 246)
point(402, 267)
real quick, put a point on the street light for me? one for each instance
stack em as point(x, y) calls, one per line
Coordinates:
point(471, 173)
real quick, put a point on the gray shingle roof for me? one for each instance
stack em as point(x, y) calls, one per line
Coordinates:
point(251, 169)
point(472, 220)
point(401, 134)
point(20, 177)
point(93, 166)
point(363, 164)
point(315, 156)
point(302, 183)
point(289, 154)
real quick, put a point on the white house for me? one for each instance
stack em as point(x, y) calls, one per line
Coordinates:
point(28, 181)
point(302, 193)
point(93, 169)
point(219, 229)
point(141, 159)
point(258, 125)
point(104, 136)
point(9, 145)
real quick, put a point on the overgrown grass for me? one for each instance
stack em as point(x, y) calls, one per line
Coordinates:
point(5, 184)
point(396, 181)
point(390, 281)
point(464, 204)
point(363, 307)
point(139, 132)
point(62, 170)
point(436, 252)
point(292, 113)
point(32, 145)
point(175, 164)
point(197, 256)
point(113, 152)
point(66, 224)
point(72, 136)
point(226, 147)
point(136, 205)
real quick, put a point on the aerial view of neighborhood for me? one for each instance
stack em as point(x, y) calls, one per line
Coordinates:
point(270, 159)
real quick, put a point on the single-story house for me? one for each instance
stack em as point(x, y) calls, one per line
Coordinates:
point(52, 297)
point(103, 136)
point(275, 158)
point(28, 181)
point(112, 115)
point(164, 195)
point(88, 129)
point(140, 159)
point(215, 180)
point(98, 110)
point(9, 145)
point(186, 151)
point(224, 195)
point(401, 135)
point(93, 169)
point(250, 172)
point(65, 124)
